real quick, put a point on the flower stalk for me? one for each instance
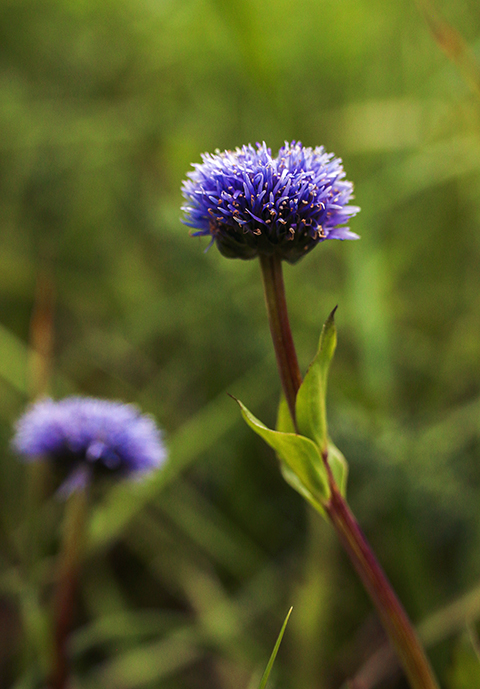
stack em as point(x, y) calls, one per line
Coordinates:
point(66, 585)
point(285, 352)
point(392, 614)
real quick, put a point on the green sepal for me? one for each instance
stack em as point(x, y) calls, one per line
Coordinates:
point(300, 455)
point(310, 405)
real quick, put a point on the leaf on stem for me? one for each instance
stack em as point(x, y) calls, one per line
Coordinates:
point(311, 398)
point(339, 466)
point(337, 461)
point(299, 454)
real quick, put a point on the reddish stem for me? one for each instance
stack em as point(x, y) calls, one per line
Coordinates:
point(283, 343)
point(394, 618)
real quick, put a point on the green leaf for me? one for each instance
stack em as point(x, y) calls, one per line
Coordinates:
point(311, 398)
point(268, 669)
point(300, 454)
point(339, 466)
point(292, 479)
point(284, 420)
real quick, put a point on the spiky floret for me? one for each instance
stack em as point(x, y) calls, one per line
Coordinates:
point(251, 203)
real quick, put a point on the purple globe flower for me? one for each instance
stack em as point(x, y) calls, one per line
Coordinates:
point(84, 435)
point(251, 203)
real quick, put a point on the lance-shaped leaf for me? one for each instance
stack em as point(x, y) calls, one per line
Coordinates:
point(311, 398)
point(300, 454)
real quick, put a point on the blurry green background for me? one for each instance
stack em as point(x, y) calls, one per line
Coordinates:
point(103, 106)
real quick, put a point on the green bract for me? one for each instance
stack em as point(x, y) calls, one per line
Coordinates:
point(303, 455)
point(298, 453)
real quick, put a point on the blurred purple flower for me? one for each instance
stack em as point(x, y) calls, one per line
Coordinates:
point(84, 435)
point(251, 203)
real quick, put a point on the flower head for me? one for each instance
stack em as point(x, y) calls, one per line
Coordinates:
point(81, 432)
point(251, 203)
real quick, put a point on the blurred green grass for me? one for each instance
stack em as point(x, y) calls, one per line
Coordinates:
point(103, 106)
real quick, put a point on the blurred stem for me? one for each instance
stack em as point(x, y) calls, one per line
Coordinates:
point(453, 44)
point(40, 362)
point(393, 616)
point(66, 586)
point(283, 344)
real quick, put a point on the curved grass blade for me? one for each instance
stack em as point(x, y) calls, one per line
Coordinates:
point(268, 669)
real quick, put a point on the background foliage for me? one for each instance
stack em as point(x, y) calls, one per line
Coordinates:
point(103, 106)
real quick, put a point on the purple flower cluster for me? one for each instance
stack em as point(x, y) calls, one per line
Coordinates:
point(76, 432)
point(251, 203)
